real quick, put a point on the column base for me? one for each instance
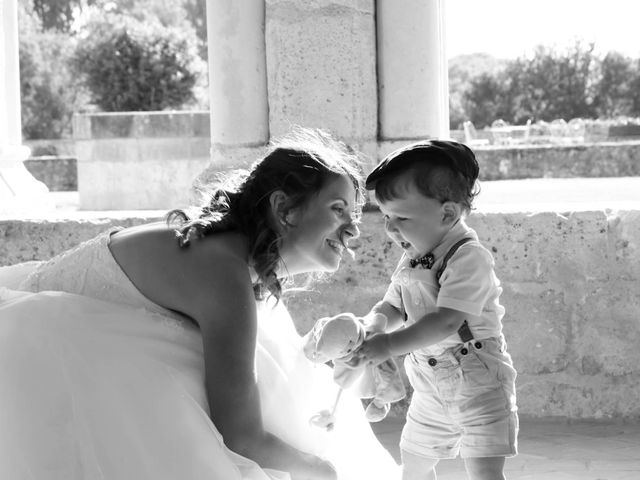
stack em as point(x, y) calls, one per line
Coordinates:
point(20, 192)
point(225, 159)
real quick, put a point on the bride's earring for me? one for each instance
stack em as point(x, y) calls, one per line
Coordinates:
point(284, 221)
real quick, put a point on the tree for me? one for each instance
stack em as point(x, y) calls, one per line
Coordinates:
point(634, 89)
point(614, 95)
point(554, 85)
point(462, 70)
point(547, 86)
point(484, 101)
point(49, 92)
point(55, 14)
point(133, 66)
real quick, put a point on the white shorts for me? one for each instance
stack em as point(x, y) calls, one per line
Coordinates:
point(464, 402)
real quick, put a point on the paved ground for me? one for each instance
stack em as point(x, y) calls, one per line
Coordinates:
point(553, 450)
point(559, 194)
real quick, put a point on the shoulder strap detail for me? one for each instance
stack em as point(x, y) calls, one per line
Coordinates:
point(464, 331)
point(450, 254)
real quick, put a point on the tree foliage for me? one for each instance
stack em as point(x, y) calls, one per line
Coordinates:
point(57, 15)
point(615, 90)
point(551, 84)
point(51, 29)
point(463, 70)
point(128, 65)
point(49, 92)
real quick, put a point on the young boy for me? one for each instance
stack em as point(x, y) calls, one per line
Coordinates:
point(442, 308)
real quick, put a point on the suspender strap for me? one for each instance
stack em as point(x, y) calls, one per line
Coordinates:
point(450, 254)
point(464, 331)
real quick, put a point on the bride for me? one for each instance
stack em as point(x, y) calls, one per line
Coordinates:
point(164, 351)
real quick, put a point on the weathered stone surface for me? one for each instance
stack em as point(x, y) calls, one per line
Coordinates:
point(605, 159)
point(620, 159)
point(140, 160)
point(321, 66)
point(571, 295)
point(59, 174)
point(26, 240)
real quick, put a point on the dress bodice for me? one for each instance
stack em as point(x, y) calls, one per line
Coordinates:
point(89, 269)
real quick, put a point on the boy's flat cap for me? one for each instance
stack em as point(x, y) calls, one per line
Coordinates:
point(457, 155)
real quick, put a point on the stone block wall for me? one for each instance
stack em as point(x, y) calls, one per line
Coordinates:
point(139, 160)
point(27, 240)
point(606, 159)
point(611, 159)
point(58, 173)
point(571, 295)
point(570, 291)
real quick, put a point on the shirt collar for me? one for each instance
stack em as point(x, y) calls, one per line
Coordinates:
point(455, 233)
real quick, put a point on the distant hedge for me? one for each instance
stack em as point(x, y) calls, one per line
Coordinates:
point(128, 65)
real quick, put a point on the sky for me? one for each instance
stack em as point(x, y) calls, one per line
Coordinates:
point(512, 28)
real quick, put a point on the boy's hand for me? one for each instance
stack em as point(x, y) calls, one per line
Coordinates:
point(375, 349)
point(374, 323)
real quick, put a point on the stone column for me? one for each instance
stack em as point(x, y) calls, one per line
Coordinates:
point(412, 70)
point(19, 191)
point(321, 65)
point(237, 81)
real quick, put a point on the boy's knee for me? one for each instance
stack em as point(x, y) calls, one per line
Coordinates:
point(485, 468)
point(415, 467)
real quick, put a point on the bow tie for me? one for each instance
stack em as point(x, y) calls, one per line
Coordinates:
point(425, 261)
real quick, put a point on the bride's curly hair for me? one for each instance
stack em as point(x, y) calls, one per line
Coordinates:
point(300, 164)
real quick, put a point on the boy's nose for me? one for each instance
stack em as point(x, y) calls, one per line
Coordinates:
point(389, 225)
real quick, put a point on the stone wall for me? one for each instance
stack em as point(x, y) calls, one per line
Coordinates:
point(610, 159)
point(570, 290)
point(607, 159)
point(571, 295)
point(140, 160)
point(27, 240)
point(58, 173)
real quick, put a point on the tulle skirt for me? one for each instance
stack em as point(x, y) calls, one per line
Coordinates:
point(95, 390)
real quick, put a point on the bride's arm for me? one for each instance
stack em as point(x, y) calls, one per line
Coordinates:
point(225, 309)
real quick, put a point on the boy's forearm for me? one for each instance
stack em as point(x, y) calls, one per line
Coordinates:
point(430, 329)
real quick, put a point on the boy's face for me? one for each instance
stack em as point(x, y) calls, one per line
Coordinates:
point(414, 222)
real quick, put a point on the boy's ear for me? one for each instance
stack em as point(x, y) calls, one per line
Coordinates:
point(451, 213)
point(279, 206)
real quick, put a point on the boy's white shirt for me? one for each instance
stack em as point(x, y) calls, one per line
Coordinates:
point(468, 284)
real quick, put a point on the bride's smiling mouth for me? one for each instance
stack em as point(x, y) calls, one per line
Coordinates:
point(337, 246)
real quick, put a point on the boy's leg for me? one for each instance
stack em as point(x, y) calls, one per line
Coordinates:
point(415, 467)
point(485, 468)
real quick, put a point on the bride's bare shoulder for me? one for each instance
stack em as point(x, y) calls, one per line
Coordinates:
point(152, 257)
point(158, 240)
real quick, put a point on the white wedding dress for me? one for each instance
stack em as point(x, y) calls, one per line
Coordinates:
point(101, 383)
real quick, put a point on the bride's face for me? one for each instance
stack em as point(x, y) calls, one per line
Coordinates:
point(314, 239)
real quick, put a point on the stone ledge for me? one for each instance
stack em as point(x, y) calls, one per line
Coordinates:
point(606, 159)
point(570, 290)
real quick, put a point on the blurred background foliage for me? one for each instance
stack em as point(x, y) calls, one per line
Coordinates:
point(128, 65)
point(550, 84)
point(100, 55)
point(115, 55)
